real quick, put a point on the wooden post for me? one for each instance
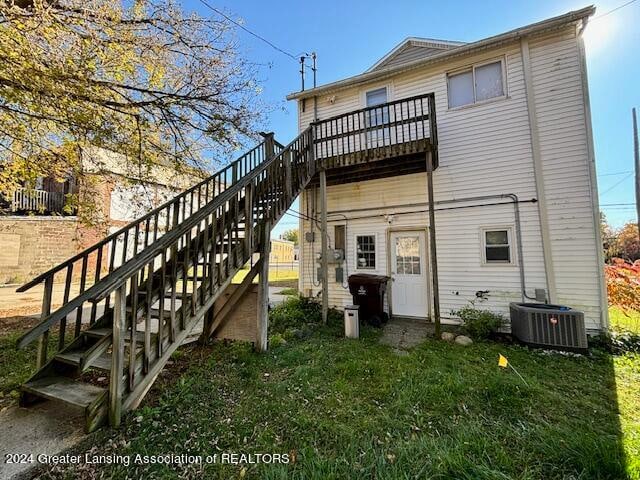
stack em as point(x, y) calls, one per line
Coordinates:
point(325, 247)
point(432, 246)
point(117, 355)
point(263, 292)
point(43, 341)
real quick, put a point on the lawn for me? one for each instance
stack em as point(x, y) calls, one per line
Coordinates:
point(619, 320)
point(275, 275)
point(356, 409)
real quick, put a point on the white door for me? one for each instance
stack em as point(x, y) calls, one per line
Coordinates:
point(409, 274)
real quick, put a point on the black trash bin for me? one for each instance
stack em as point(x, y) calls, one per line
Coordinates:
point(368, 292)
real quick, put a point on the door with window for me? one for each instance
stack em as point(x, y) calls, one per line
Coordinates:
point(409, 283)
point(377, 118)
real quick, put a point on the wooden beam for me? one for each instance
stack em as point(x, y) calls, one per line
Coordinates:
point(262, 341)
point(432, 246)
point(325, 246)
point(117, 355)
point(43, 341)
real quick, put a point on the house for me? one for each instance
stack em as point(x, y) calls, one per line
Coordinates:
point(282, 251)
point(39, 225)
point(516, 205)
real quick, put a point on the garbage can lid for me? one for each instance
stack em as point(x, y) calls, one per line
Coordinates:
point(367, 279)
point(352, 307)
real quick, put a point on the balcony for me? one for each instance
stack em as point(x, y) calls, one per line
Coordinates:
point(37, 201)
point(380, 141)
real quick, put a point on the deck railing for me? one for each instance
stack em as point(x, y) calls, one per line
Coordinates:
point(407, 123)
point(34, 200)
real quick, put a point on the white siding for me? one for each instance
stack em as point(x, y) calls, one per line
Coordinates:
point(484, 150)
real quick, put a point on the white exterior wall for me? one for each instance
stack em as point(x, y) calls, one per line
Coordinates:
point(485, 149)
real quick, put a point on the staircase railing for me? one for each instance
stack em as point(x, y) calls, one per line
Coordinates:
point(207, 250)
point(107, 256)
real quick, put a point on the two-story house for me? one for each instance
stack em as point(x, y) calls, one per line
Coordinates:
point(515, 196)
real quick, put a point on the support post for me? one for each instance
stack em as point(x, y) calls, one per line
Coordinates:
point(325, 246)
point(263, 291)
point(117, 355)
point(432, 246)
point(43, 341)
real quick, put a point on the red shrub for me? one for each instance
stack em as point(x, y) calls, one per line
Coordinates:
point(623, 284)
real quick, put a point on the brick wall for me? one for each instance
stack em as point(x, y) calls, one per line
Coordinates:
point(32, 245)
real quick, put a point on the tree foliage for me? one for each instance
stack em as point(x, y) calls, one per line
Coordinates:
point(291, 235)
point(623, 284)
point(142, 78)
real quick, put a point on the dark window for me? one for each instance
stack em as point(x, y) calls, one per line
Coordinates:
point(366, 251)
point(496, 245)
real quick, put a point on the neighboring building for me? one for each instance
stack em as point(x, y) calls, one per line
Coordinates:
point(281, 251)
point(515, 190)
point(39, 229)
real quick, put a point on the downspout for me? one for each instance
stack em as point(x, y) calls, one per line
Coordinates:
point(538, 171)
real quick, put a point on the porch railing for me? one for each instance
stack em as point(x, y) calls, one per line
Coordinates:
point(33, 200)
point(405, 124)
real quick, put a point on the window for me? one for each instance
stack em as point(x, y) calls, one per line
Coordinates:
point(377, 117)
point(497, 245)
point(365, 251)
point(476, 84)
point(408, 255)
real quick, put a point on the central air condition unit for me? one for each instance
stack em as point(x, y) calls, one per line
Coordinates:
point(545, 325)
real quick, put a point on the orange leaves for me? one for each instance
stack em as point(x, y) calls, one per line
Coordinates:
point(623, 284)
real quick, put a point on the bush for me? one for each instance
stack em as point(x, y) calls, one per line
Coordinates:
point(616, 343)
point(478, 323)
point(623, 284)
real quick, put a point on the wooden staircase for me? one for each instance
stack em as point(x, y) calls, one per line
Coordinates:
point(144, 288)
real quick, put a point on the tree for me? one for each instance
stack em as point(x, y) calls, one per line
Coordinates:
point(628, 242)
point(290, 235)
point(141, 78)
point(609, 239)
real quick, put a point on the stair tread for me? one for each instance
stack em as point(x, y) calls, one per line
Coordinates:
point(65, 389)
point(103, 362)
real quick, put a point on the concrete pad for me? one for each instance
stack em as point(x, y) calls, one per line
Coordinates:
point(45, 428)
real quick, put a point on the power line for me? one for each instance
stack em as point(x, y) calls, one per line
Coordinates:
point(259, 37)
point(614, 10)
point(616, 184)
point(615, 204)
point(614, 173)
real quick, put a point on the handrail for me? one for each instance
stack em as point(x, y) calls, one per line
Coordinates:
point(139, 221)
point(109, 283)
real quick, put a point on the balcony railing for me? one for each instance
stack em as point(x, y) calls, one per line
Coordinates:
point(33, 200)
point(391, 129)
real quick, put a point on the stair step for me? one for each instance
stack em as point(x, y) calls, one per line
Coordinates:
point(103, 362)
point(102, 332)
point(65, 389)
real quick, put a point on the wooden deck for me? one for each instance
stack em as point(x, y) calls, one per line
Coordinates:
point(384, 140)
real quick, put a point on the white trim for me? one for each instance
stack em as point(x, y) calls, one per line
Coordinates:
point(375, 252)
point(472, 68)
point(513, 258)
point(371, 88)
point(604, 310)
point(538, 172)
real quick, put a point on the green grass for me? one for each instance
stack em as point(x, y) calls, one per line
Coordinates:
point(355, 409)
point(620, 320)
point(289, 291)
point(274, 275)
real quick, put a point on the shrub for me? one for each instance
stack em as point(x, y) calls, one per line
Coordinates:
point(623, 284)
point(479, 323)
point(297, 314)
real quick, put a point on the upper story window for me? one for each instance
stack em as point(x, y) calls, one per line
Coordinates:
point(476, 84)
point(377, 96)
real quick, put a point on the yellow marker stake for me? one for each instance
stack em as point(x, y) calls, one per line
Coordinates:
point(504, 363)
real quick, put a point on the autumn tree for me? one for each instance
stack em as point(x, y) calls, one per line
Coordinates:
point(141, 78)
point(628, 242)
point(290, 235)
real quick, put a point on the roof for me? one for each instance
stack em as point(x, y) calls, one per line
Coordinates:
point(379, 71)
point(424, 47)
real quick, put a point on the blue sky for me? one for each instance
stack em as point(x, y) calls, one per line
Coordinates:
point(350, 36)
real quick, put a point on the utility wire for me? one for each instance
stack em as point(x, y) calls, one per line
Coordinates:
point(614, 173)
point(613, 10)
point(616, 184)
point(259, 37)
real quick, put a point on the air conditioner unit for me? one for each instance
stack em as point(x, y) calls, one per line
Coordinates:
point(545, 325)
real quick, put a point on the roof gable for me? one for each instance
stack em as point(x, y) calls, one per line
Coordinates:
point(413, 48)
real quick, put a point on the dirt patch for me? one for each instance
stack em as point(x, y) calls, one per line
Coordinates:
point(18, 323)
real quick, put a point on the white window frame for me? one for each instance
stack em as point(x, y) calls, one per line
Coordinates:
point(375, 251)
point(472, 68)
point(510, 240)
